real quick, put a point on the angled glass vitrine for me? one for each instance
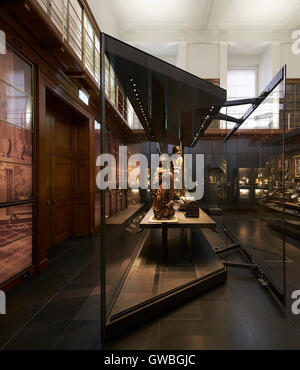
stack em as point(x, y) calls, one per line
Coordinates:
point(150, 266)
point(258, 189)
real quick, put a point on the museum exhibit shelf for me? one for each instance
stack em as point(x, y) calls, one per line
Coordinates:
point(245, 185)
point(290, 208)
point(125, 214)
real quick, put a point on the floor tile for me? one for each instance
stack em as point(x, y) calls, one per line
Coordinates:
point(260, 307)
point(142, 338)
point(187, 311)
point(276, 333)
point(80, 335)
point(204, 335)
point(215, 310)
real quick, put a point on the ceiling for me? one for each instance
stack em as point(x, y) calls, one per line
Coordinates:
point(156, 26)
point(247, 48)
point(168, 49)
point(174, 15)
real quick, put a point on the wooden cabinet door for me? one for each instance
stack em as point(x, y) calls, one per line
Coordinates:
point(61, 188)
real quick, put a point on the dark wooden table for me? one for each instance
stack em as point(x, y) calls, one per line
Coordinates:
point(203, 221)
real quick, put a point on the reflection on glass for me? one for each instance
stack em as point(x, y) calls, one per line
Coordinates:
point(255, 211)
point(15, 72)
point(16, 107)
point(15, 240)
point(15, 144)
point(97, 132)
point(15, 182)
point(16, 128)
point(242, 85)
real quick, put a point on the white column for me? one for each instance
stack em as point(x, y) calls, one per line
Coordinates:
point(182, 56)
point(223, 60)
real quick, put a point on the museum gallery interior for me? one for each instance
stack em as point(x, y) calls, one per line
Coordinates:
point(89, 262)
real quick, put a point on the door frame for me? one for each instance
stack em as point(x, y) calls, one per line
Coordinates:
point(47, 84)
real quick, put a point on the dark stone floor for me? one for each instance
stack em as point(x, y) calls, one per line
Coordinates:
point(240, 314)
point(60, 309)
point(156, 272)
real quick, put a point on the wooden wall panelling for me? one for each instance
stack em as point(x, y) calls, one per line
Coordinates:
point(47, 75)
point(20, 37)
point(61, 186)
point(51, 76)
point(92, 175)
point(82, 187)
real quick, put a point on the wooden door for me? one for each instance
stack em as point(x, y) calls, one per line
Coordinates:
point(68, 174)
point(61, 202)
point(61, 182)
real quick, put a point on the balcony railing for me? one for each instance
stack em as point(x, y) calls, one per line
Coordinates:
point(118, 98)
point(76, 28)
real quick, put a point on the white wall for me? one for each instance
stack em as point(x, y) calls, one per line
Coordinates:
point(265, 69)
point(105, 17)
point(243, 60)
point(203, 60)
point(181, 58)
point(292, 61)
point(246, 61)
point(168, 58)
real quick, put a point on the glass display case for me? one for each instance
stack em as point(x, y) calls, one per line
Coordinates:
point(16, 164)
point(257, 216)
point(261, 182)
point(245, 180)
point(160, 248)
point(151, 263)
